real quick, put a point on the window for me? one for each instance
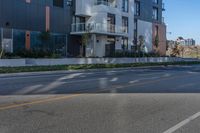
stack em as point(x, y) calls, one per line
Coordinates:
point(135, 31)
point(155, 1)
point(137, 8)
point(125, 5)
point(79, 23)
point(58, 3)
point(69, 2)
point(111, 23)
point(155, 13)
point(28, 1)
point(125, 24)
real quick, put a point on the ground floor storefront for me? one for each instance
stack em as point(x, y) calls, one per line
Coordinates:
point(68, 45)
point(14, 41)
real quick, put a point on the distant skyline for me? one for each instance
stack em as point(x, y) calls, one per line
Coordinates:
point(182, 19)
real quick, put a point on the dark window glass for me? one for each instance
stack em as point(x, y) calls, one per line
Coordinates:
point(137, 8)
point(18, 40)
point(125, 4)
point(58, 3)
point(125, 24)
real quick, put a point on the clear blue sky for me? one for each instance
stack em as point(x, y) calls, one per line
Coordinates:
point(183, 18)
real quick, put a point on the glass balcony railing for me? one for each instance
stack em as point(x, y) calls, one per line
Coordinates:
point(103, 2)
point(98, 28)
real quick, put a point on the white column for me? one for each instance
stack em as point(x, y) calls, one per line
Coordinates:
point(131, 23)
point(94, 39)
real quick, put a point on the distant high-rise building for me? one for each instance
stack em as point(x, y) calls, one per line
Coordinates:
point(186, 42)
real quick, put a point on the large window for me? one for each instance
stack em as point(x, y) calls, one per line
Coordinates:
point(78, 24)
point(125, 24)
point(155, 13)
point(135, 31)
point(58, 3)
point(137, 8)
point(111, 23)
point(155, 1)
point(125, 5)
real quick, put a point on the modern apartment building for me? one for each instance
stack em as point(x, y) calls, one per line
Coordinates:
point(109, 22)
point(23, 25)
point(106, 25)
point(149, 22)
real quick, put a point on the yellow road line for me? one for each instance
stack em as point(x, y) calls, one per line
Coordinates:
point(38, 102)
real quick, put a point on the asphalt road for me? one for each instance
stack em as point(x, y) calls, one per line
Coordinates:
point(130, 100)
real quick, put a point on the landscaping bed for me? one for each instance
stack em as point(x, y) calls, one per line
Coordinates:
point(89, 66)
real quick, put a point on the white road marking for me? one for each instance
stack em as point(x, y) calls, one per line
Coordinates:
point(182, 123)
point(114, 79)
point(134, 81)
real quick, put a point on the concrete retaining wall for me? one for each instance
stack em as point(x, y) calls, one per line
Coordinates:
point(12, 62)
point(74, 61)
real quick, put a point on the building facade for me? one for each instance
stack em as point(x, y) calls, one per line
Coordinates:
point(149, 22)
point(23, 23)
point(109, 23)
point(91, 28)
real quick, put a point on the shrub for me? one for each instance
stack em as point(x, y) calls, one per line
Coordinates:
point(32, 54)
point(133, 54)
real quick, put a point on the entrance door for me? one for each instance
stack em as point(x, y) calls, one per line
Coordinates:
point(110, 46)
point(109, 50)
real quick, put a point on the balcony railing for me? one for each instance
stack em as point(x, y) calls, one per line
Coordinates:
point(98, 28)
point(103, 2)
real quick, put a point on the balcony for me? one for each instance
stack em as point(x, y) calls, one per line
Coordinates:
point(105, 3)
point(98, 28)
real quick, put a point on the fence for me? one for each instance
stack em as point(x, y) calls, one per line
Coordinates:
point(74, 61)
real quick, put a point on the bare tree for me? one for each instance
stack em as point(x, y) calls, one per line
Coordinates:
point(182, 50)
point(85, 38)
point(176, 50)
point(141, 43)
